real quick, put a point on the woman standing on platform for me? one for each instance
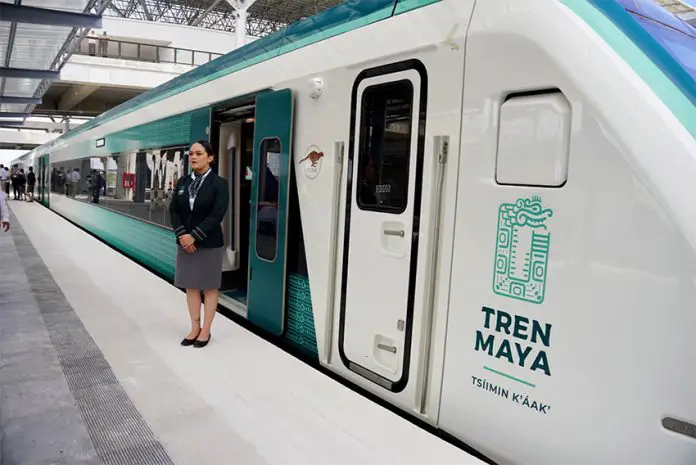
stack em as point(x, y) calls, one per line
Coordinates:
point(198, 205)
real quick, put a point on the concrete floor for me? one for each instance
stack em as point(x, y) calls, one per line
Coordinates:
point(60, 403)
point(91, 372)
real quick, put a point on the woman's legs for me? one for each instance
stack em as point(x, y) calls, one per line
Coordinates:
point(211, 303)
point(193, 298)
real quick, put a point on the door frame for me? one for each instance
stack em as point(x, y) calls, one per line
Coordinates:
point(392, 68)
point(45, 184)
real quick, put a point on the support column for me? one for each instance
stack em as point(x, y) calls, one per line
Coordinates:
point(240, 27)
point(241, 8)
point(75, 95)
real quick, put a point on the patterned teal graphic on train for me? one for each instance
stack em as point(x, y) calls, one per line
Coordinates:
point(522, 250)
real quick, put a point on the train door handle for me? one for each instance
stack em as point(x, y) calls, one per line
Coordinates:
point(394, 232)
point(386, 347)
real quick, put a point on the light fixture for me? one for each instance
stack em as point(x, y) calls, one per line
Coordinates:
point(316, 86)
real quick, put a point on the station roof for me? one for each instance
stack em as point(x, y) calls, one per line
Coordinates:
point(264, 16)
point(36, 39)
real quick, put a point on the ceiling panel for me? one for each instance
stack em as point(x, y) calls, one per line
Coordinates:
point(36, 45)
point(33, 46)
point(77, 6)
point(13, 107)
point(4, 39)
point(21, 87)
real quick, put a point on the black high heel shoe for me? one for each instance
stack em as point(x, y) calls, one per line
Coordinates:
point(198, 344)
point(189, 342)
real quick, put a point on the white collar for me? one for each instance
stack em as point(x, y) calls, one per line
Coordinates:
point(193, 174)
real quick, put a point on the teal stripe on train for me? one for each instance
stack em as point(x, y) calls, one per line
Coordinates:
point(155, 247)
point(147, 243)
point(174, 130)
point(643, 54)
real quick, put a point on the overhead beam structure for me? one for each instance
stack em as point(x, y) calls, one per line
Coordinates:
point(7, 114)
point(25, 77)
point(12, 13)
point(18, 73)
point(262, 17)
point(19, 100)
point(201, 15)
point(75, 38)
point(57, 126)
point(146, 10)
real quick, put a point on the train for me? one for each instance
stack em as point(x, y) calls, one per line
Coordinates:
point(481, 212)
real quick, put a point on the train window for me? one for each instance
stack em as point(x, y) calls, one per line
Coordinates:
point(268, 189)
point(385, 147)
point(139, 184)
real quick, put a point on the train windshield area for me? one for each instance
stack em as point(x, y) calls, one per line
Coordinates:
point(677, 37)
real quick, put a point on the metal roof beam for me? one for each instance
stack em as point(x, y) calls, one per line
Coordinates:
point(28, 73)
point(201, 15)
point(33, 15)
point(11, 123)
point(8, 114)
point(99, 7)
point(20, 100)
point(146, 10)
point(8, 54)
point(118, 11)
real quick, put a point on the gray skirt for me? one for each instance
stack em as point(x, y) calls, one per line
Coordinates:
point(201, 269)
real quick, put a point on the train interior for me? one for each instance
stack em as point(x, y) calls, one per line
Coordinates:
point(232, 137)
point(251, 239)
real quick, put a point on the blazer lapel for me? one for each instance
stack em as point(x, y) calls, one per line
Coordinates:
point(207, 182)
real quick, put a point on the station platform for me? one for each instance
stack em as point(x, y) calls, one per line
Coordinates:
point(91, 372)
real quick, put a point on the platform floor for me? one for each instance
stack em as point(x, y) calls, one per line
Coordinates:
point(91, 372)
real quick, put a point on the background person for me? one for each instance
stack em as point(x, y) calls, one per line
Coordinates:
point(4, 212)
point(31, 183)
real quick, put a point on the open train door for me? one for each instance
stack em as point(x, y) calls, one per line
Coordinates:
point(269, 210)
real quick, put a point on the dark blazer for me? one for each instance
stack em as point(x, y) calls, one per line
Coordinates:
point(204, 222)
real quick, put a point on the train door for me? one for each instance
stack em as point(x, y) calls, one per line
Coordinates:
point(44, 175)
point(382, 223)
point(269, 210)
point(40, 177)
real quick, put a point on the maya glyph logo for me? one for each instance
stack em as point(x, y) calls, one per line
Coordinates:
point(522, 250)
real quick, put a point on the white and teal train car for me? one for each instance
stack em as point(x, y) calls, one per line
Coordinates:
point(481, 211)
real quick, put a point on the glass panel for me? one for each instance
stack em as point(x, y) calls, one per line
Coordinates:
point(681, 46)
point(269, 187)
point(139, 184)
point(385, 147)
point(677, 37)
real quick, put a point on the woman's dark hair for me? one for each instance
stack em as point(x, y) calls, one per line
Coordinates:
point(206, 146)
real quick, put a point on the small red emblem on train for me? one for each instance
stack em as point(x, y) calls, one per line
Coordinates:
point(315, 156)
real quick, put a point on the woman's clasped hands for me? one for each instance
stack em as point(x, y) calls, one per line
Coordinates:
point(187, 243)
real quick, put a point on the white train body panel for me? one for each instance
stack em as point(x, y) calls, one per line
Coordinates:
point(620, 278)
point(553, 296)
